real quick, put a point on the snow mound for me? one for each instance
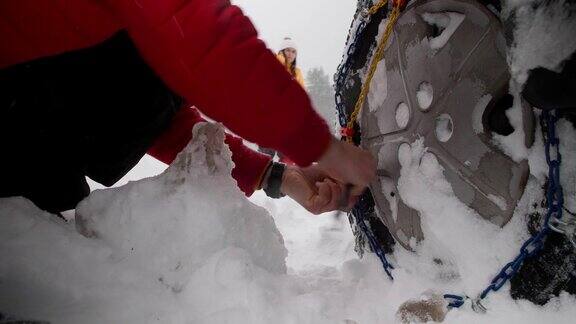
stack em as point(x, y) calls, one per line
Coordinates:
point(171, 218)
point(159, 249)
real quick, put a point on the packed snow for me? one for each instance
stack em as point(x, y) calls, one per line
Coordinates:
point(425, 95)
point(378, 87)
point(402, 115)
point(444, 127)
point(446, 22)
point(544, 36)
point(478, 112)
point(388, 185)
point(514, 144)
point(498, 201)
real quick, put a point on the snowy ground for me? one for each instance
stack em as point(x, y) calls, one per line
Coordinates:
point(187, 247)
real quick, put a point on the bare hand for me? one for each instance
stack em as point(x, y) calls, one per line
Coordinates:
point(314, 190)
point(349, 164)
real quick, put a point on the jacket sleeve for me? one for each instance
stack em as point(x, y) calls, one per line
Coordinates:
point(249, 165)
point(208, 52)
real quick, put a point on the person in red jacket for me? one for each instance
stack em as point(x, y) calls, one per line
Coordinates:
point(88, 87)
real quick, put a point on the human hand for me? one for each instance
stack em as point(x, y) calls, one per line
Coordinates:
point(350, 165)
point(314, 190)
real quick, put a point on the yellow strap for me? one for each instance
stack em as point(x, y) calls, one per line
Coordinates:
point(377, 57)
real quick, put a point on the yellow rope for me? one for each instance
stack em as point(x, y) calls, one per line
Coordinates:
point(377, 57)
point(376, 7)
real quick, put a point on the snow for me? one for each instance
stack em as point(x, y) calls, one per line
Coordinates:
point(514, 144)
point(447, 22)
point(444, 127)
point(471, 249)
point(148, 238)
point(498, 201)
point(378, 87)
point(402, 115)
point(186, 247)
point(388, 186)
point(478, 112)
point(379, 83)
point(314, 243)
point(425, 95)
point(544, 36)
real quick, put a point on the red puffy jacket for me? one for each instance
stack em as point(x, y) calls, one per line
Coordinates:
point(205, 50)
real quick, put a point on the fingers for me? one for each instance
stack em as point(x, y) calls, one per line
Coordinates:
point(348, 198)
point(314, 197)
point(327, 198)
point(349, 164)
point(356, 190)
point(317, 192)
point(322, 198)
point(345, 195)
point(336, 192)
point(365, 166)
point(352, 200)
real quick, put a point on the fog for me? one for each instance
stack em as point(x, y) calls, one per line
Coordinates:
point(319, 27)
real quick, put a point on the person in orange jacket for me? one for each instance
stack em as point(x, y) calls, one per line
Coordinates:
point(287, 56)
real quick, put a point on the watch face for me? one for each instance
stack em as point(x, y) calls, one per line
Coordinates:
point(272, 189)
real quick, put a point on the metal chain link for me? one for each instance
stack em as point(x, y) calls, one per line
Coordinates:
point(375, 60)
point(555, 200)
point(365, 11)
point(361, 209)
point(344, 67)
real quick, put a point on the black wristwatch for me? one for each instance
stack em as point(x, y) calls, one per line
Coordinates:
point(274, 182)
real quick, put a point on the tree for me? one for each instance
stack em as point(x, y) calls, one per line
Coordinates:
point(322, 94)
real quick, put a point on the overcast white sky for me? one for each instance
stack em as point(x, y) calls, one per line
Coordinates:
point(319, 27)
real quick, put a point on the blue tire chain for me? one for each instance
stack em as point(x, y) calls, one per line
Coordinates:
point(555, 202)
point(366, 202)
point(362, 208)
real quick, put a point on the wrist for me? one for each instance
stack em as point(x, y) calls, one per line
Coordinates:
point(265, 175)
point(273, 179)
point(330, 152)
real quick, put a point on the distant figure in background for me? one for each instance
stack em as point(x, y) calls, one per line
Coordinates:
point(287, 56)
